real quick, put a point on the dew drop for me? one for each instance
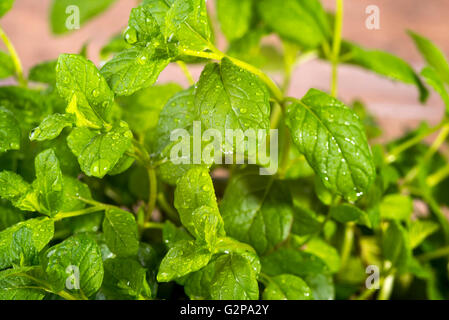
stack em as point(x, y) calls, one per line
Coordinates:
point(130, 35)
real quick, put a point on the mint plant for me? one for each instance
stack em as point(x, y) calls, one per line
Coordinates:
point(96, 205)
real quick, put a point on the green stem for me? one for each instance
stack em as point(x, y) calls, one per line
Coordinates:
point(153, 193)
point(186, 72)
point(393, 155)
point(439, 253)
point(15, 58)
point(172, 214)
point(387, 288)
point(65, 215)
point(153, 225)
point(438, 176)
point(336, 46)
point(347, 245)
point(429, 154)
point(439, 214)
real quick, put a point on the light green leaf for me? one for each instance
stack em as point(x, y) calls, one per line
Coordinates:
point(104, 151)
point(52, 127)
point(432, 54)
point(187, 25)
point(79, 252)
point(7, 68)
point(13, 188)
point(61, 16)
point(15, 284)
point(195, 190)
point(301, 21)
point(396, 207)
point(287, 287)
point(10, 133)
point(125, 279)
point(333, 140)
point(49, 182)
point(235, 17)
point(79, 138)
point(120, 231)
point(133, 70)
point(385, 64)
point(5, 6)
point(26, 237)
point(434, 80)
point(234, 279)
point(257, 210)
point(420, 230)
point(183, 258)
point(228, 97)
point(172, 234)
point(346, 213)
point(325, 252)
point(82, 86)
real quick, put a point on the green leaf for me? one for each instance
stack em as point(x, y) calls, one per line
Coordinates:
point(15, 284)
point(172, 234)
point(434, 80)
point(291, 261)
point(196, 203)
point(385, 64)
point(49, 182)
point(287, 287)
point(141, 110)
point(73, 190)
point(5, 6)
point(228, 97)
point(305, 222)
point(60, 15)
point(120, 231)
point(234, 279)
point(325, 252)
point(13, 188)
point(257, 210)
point(396, 207)
point(396, 245)
point(420, 230)
point(235, 17)
point(346, 213)
point(23, 238)
point(133, 70)
point(7, 68)
point(44, 72)
point(79, 138)
point(52, 127)
point(301, 21)
point(183, 258)
point(432, 54)
point(187, 25)
point(10, 133)
point(333, 140)
point(125, 279)
point(103, 152)
point(82, 86)
point(77, 253)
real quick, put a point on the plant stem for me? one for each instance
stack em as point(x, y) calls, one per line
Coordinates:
point(439, 253)
point(393, 156)
point(172, 214)
point(336, 46)
point(439, 214)
point(429, 154)
point(438, 176)
point(65, 215)
point(347, 245)
point(186, 72)
point(15, 58)
point(153, 225)
point(153, 193)
point(387, 288)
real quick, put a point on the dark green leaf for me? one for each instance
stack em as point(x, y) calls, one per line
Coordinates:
point(334, 142)
point(10, 134)
point(52, 127)
point(120, 231)
point(287, 287)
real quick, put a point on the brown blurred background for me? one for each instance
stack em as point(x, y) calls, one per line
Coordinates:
point(395, 105)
